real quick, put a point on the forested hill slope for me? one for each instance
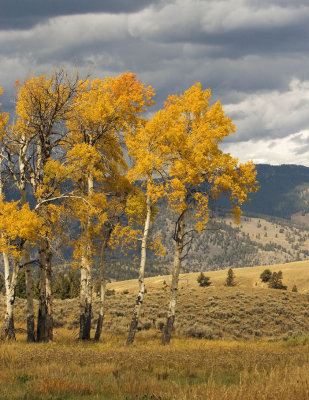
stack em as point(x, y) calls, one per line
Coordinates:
point(260, 239)
point(284, 190)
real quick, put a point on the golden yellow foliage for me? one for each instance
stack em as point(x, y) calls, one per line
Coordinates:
point(17, 223)
point(101, 112)
point(181, 142)
point(124, 237)
point(194, 137)
point(41, 102)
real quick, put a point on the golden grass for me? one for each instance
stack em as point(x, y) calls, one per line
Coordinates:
point(259, 365)
point(249, 311)
point(293, 273)
point(187, 369)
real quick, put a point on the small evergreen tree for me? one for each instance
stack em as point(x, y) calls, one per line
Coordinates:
point(67, 285)
point(203, 280)
point(265, 275)
point(20, 290)
point(36, 289)
point(275, 281)
point(230, 280)
point(294, 289)
point(61, 287)
point(74, 280)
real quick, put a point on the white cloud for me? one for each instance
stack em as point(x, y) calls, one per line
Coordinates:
point(293, 149)
point(180, 18)
point(235, 48)
point(227, 15)
point(66, 31)
point(273, 113)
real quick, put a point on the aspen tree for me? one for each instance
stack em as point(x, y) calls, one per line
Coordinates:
point(107, 230)
point(17, 225)
point(145, 149)
point(199, 172)
point(102, 111)
point(8, 329)
point(17, 151)
point(42, 107)
point(115, 210)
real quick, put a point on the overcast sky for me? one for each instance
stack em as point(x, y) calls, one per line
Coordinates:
point(253, 54)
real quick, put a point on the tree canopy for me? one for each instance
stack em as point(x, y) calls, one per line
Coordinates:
point(82, 154)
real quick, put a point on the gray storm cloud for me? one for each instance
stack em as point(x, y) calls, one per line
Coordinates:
point(252, 54)
point(20, 14)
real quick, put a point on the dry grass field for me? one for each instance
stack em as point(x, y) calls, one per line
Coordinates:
point(293, 273)
point(249, 311)
point(186, 369)
point(246, 342)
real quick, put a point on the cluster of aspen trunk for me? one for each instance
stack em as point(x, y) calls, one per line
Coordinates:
point(83, 150)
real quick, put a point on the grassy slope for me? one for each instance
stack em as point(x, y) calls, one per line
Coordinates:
point(249, 311)
point(293, 273)
point(189, 368)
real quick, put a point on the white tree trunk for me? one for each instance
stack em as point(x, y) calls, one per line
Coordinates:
point(10, 286)
point(85, 299)
point(86, 279)
point(167, 332)
point(141, 278)
point(45, 317)
point(102, 292)
point(29, 294)
point(28, 272)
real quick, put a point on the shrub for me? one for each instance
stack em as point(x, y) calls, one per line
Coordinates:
point(67, 286)
point(275, 281)
point(203, 280)
point(266, 275)
point(20, 290)
point(61, 286)
point(230, 280)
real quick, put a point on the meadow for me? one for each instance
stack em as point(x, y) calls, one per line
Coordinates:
point(186, 369)
point(249, 311)
point(243, 342)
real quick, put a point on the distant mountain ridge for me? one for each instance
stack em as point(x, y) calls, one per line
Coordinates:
point(260, 239)
point(284, 191)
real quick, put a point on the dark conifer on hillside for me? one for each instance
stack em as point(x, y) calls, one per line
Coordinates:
point(275, 281)
point(230, 280)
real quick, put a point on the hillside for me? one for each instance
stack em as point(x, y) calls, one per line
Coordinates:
point(274, 229)
point(248, 311)
point(255, 241)
point(247, 278)
point(284, 191)
point(262, 238)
